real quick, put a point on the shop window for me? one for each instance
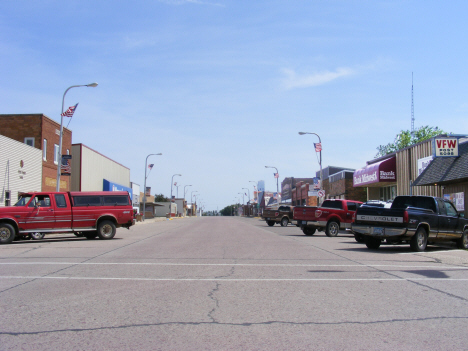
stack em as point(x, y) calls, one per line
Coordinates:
point(29, 141)
point(56, 154)
point(44, 150)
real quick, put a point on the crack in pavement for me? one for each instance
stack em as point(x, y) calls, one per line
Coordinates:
point(245, 324)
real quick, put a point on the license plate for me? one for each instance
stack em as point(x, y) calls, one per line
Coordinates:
point(379, 231)
point(268, 219)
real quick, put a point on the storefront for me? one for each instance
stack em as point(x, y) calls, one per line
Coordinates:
point(448, 169)
point(380, 178)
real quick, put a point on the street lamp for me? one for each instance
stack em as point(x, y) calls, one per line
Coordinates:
point(276, 176)
point(320, 163)
point(195, 196)
point(172, 183)
point(248, 200)
point(255, 187)
point(185, 192)
point(144, 186)
point(59, 157)
point(191, 200)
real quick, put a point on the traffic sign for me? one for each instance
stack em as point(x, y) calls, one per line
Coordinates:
point(321, 193)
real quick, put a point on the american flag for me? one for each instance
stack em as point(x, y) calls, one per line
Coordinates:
point(70, 111)
point(151, 166)
point(65, 167)
point(276, 175)
point(318, 147)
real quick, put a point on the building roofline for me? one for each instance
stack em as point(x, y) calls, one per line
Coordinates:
point(100, 154)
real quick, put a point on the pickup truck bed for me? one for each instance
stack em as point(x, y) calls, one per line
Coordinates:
point(420, 220)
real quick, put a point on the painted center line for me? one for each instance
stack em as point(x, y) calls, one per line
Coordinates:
point(226, 264)
point(233, 280)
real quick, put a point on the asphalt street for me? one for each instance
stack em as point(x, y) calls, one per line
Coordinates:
point(226, 283)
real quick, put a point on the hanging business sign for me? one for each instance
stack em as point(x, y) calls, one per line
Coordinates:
point(446, 147)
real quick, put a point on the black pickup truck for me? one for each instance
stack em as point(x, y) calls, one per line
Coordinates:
point(419, 220)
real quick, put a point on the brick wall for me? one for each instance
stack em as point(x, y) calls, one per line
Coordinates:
point(40, 127)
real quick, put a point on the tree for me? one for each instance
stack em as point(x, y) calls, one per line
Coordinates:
point(229, 210)
point(405, 138)
point(160, 198)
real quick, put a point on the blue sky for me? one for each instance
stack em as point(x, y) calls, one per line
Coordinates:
point(222, 87)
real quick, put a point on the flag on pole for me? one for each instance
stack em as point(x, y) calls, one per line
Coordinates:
point(175, 183)
point(70, 111)
point(276, 175)
point(151, 166)
point(318, 147)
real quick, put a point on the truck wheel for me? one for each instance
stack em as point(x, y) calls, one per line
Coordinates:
point(308, 231)
point(462, 243)
point(372, 243)
point(359, 238)
point(284, 222)
point(271, 223)
point(36, 236)
point(106, 230)
point(7, 233)
point(332, 228)
point(418, 242)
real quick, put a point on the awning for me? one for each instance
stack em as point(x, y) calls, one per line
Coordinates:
point(375, 173)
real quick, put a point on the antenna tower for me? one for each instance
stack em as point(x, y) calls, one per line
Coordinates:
point(412, 106)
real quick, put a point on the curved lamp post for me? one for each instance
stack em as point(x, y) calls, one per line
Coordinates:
point(276, 176)
point(185, 192)
point(320, 163)
point(248, 200)
point(191, 200)
point(144, 186)
point(172, 183)
point(59, 156)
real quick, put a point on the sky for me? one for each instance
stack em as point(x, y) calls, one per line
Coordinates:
point(222, 87)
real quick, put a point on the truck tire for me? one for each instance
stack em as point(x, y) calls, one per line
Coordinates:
point(106, 230)
point(7, 233)
point(418, 242)
point(359, 237)
point(271, 223)
point(36, 236)
point(333, 228)
point(462, 243)
point(284, 222)
point(308, 231)
point(372, 243)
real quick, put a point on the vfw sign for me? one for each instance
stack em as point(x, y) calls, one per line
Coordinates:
point(446, 147)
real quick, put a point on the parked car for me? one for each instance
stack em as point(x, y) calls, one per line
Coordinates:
point(282, 215)
point(419, 220)
point(333, 215)
point(89, 214)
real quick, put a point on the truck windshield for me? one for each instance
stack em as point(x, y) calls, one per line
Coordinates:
point(23, 200)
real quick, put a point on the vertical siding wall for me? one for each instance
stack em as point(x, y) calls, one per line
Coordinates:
point(75, 167)
point(13, 177)
point(458, 188)
point(407, 169)
point(96, 167)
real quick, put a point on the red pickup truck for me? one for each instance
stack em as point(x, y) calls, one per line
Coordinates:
point(89, 214)
point(332, 216)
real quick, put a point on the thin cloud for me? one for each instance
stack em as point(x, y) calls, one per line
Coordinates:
point(293, 80)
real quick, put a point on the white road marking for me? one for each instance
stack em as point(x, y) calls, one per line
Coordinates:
point(226, 264)
point(231, 279)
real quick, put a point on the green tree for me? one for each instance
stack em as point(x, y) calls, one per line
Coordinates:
point(405, 138)
point(160, 198)
point(228, 210)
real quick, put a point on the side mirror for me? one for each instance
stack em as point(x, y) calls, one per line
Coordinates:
point(462, 215)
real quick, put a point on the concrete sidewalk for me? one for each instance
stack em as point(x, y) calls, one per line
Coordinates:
point(161, 219)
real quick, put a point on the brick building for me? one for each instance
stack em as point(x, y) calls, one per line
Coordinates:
point(340, 186)
point(43, 133)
